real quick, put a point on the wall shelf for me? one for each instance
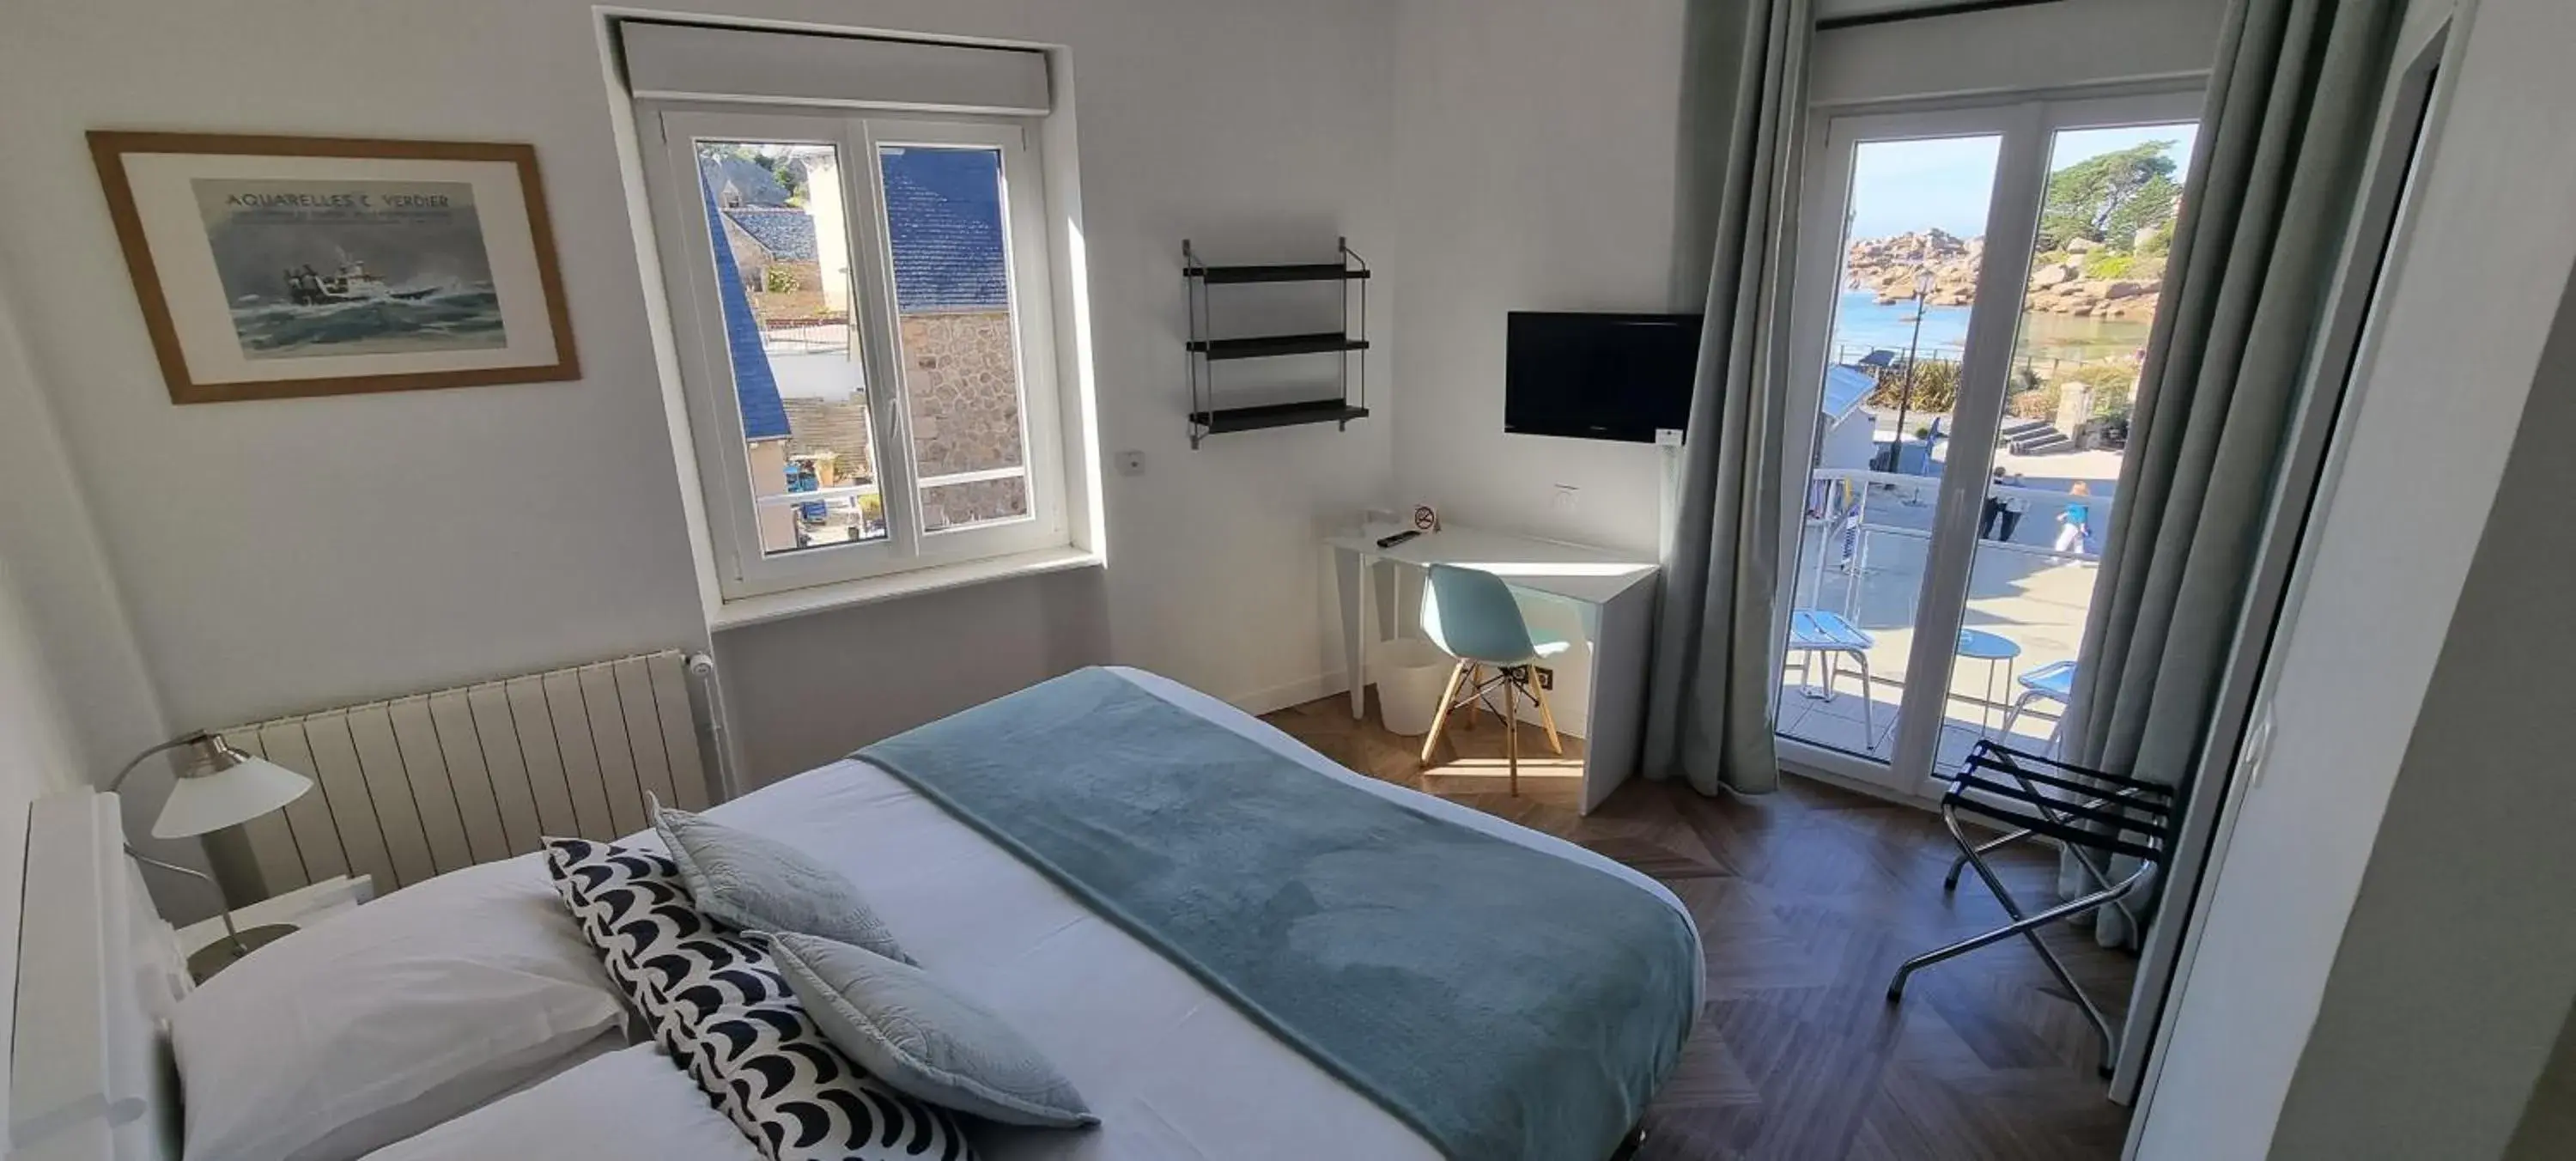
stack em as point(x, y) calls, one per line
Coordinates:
point(1268, 346)
point(1205, 349)
point(1276, 415)
point(1290, 272)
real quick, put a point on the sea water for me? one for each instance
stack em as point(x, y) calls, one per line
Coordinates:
point(460, 319)
point(1863, 324)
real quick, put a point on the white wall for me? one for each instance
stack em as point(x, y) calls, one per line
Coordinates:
point(2548, 1128)
point(72, 641)
point(1542, 168)
point(2470, 308)
point(37, 757)
point(958, 647)
point(286, 555)
point(1540, 149)
point(1540, 171)
point(2458, 965)
point(78, 651)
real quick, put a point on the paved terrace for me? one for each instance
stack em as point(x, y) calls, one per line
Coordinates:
point(2021, 591)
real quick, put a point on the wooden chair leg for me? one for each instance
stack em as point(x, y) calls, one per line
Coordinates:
point(1475, 682)
point(1512, 735)
point(1546, 711)
point(1448, 699)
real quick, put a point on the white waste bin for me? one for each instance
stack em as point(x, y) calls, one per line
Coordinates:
point(1411, 674)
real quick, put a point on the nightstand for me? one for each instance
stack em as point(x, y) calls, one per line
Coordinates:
point(302, 907)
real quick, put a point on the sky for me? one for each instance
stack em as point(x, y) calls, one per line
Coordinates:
point(1944, 183)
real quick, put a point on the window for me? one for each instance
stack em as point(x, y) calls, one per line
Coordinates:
point(862, 309)
point(1968, 418)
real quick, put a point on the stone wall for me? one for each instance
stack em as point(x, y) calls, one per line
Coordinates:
point(961, 380)
point(818, 425)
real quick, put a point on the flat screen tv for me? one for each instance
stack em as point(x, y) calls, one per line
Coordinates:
point(1599, 376)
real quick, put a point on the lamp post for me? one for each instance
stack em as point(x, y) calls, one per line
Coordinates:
point(1905, 394)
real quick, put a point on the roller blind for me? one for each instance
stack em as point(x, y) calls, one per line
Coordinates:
point(699, 63)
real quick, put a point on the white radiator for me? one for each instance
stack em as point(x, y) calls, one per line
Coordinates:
point(421, 785)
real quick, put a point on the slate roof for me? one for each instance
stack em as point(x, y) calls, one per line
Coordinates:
point(753, 181)
point(1845, 387)
point(788, 234)
point(755, 387)
point(945, 210)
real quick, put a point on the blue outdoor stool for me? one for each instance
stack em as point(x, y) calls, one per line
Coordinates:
point(2055, 682)
point(1470, 614)
point(1818, 634)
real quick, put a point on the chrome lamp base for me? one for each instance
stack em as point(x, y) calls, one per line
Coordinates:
point(225, 952)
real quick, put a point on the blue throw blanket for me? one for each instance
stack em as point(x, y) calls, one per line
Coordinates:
point(1504, 1002)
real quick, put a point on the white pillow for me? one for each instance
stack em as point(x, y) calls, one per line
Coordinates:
point(383, 1021)
point(634, 1105)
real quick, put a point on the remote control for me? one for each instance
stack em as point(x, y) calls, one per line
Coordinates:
point(1398, 538)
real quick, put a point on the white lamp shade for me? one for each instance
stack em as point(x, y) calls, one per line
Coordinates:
point(237, 793)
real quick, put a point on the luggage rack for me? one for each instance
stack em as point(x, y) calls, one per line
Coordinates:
point(2097, 815)
point(1205, 350)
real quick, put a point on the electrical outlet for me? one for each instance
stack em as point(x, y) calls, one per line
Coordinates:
point(1131, 463)
point(1546, 678)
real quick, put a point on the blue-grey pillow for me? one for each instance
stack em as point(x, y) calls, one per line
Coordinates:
point(922, 1038)
point(718, 1004)
point(745, 881)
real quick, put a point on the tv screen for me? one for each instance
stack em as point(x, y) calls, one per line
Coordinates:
point(1599, 376)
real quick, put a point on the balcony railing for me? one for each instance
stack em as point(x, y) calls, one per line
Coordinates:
point(1865, 541)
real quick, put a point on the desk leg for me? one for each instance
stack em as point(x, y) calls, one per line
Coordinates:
point(1351, 577)
point(1621, 632)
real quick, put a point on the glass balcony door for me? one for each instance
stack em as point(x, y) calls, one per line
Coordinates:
point(2084, 314)
point(1906, 342)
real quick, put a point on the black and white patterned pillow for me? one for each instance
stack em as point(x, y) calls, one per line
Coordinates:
point(718, 1005)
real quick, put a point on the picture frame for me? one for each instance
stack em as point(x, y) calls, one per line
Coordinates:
point(273, 267)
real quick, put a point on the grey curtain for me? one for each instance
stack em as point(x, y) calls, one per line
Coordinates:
point(1708, 693)
point(2275, 184)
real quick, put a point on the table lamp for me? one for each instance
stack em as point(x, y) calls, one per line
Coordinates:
point(221, 787)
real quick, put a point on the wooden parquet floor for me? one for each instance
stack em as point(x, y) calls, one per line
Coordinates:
point(1807, 900)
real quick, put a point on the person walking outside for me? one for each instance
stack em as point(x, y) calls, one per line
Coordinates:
point(2075, 524)
point(2014, 506)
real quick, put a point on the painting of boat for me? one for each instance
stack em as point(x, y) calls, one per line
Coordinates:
point(360, 268)
point(278, 267)
point(351, 283)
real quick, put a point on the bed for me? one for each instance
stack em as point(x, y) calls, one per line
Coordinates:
point(1173, 1069)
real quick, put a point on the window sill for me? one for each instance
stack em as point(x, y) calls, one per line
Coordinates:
point(761, 610)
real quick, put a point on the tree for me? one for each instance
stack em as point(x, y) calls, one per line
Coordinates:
point(2108, 199)
point(1935, 387)
point(790, 173)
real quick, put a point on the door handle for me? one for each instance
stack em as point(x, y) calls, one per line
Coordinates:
point(2258, 747)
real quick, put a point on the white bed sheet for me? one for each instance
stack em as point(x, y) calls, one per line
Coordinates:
point(630, 1105)
point(1174, 1071)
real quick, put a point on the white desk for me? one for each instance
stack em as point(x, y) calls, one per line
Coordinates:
point(1610, 595)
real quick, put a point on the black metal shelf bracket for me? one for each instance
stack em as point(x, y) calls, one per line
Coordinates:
point(1203, 349)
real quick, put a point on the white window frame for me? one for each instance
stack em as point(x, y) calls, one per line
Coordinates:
point(743, 569)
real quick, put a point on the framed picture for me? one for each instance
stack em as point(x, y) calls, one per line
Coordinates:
point(281, 267)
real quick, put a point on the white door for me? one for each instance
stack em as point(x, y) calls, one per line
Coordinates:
point(1983, 307)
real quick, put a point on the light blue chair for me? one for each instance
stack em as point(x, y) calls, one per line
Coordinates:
point(1470, 614)
point(2055, 682)
point(1818, 634)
